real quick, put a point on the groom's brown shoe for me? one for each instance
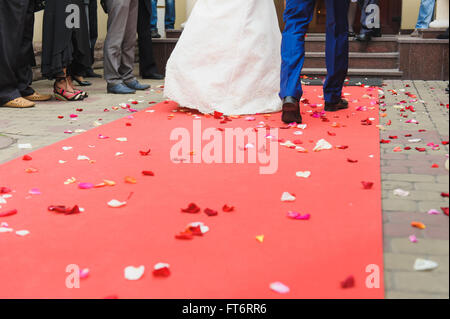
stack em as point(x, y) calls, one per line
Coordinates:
point(291, 111)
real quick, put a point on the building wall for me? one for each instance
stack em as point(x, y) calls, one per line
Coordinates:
point(410, 11)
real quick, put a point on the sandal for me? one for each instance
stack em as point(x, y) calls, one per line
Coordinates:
point(69, 80)
point(64, 95)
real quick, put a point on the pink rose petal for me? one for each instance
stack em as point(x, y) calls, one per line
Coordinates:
point(35, 191)
point(433, 212)
point(298, 216)
point(413, 239)
point(85, 186)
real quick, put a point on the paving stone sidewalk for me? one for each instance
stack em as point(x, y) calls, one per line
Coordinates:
point(412, 171)
point(40, 126)
point(408, 170)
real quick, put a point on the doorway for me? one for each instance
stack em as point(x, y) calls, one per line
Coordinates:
point(391, 12)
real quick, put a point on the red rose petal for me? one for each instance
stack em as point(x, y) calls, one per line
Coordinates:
point(184, 236)
point(27, 158)
point(211, 212)
point(385, 141)
point(349, 282)
point(217, 115)
point(5, 190)
point(148, 173)
point(74, 210)
point(227, 208)
point(444, 194)
point(367, 185)
point(9, 213)
point(192, 209)
point(351, 160)
point(145, 153)
point(445, 210)
point(64, 210)
point(162, 272)
point(421, 149)
point(57, 209)
point(195, 230)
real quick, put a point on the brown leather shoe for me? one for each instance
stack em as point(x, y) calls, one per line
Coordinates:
point(37, 97)
point(19, 103)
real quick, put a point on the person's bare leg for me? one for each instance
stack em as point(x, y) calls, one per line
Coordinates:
point(63, 83)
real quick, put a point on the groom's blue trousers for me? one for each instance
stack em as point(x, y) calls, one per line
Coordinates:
point(297, 16)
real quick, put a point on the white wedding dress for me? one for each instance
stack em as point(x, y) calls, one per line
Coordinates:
point(227, 59)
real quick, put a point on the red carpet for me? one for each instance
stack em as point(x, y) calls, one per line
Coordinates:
point(312, 257)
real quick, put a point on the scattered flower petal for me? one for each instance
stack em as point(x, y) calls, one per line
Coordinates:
point(279, 287)
point(134, 273)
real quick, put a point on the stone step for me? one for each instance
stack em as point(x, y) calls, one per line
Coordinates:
point(431, 33)
point(173, 34)
point(388, 60)
point(384, 44)
point(382, 73)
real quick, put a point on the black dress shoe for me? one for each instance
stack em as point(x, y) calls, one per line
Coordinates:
point(364, 37)
point(153, 76)
point(155, 34)
point(376, 33)
point(333, 107)
point(81, 83)
point(91, 74)
point(291, 111)
point(351, 34)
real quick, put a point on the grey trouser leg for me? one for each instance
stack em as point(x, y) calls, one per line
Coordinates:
point(120, 42)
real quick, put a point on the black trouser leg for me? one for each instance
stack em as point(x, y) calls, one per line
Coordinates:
point(147, 64)
point(24, 71)
point(93, 27)
point(12, 24)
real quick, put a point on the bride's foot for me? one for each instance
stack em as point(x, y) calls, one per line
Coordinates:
point(291, 110)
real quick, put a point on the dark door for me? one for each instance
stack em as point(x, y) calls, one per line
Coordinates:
point(390, 11)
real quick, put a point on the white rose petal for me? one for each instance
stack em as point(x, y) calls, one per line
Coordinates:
point(22, 232)
point(423, 264)
point(279, 287)
point(305, 174)
point(116, 204)
point(286, 197)
point(134, 273)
